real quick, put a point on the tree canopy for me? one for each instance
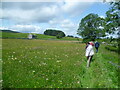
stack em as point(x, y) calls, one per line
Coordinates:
point(91, 27)
point(113, 17)
point(57, 33)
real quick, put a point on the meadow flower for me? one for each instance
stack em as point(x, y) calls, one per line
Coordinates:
point(46, 78)
point(13, 52)
point(44, 63)
point(60, 82)
point(33, 71)
point(66, 55)
point(78, 82)
point(1, 81)
point(58, 61)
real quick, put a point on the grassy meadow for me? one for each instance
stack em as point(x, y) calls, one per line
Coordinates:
point(56, 64)
point(10, 35)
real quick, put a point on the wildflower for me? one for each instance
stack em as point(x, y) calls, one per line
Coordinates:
point(78, 82)
point(66, 55)
point(1, 81)
point(44, 63)
point(46, 78)
point(58, 61)
point(33, 71)
point(13, 52)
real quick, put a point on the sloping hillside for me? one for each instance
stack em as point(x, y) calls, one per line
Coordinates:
point(9, 31)
point(17, 35)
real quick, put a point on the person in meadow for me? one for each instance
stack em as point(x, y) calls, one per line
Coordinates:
point(97, 44)
point(89, 52)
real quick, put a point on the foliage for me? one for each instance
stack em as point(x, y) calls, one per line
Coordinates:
point(54, 33)
point(91, 27)
point(113, 17)
point(60, 35)
point(86, 40)
point(70, 36)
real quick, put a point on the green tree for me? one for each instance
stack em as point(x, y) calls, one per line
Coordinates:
point(52, 32)
point(91, 27)
point(113, 18)
point(113, 21)
point(60, 35)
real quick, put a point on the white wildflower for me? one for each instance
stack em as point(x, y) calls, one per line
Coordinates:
point(13, 52)
point(1, 81)
point(33, 71)
point(78, 82)
point(46, 78)
point(58, 61)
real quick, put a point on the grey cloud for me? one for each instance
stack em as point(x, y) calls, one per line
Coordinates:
point(29, 11)
point(25, 5)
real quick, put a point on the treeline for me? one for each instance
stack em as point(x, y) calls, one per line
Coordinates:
point(57, 33)
point(9, 31)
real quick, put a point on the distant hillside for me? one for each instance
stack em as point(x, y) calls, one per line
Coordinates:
point(7, 34)
point(9, 31)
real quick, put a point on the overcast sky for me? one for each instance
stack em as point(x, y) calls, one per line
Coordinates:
point(36, 17)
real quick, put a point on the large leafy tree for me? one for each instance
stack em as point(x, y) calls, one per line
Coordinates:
point(91, 27)
point(113, 18)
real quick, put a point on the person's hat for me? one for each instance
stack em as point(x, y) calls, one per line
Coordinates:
point(91, 43)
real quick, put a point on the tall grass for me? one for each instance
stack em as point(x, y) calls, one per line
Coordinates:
point(55, 64)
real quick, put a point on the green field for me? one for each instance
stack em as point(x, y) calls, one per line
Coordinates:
point(55, 64)
point(10, 35)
